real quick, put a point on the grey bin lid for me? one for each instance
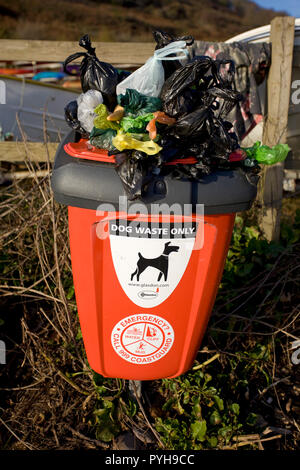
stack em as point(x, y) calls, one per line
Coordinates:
point(84, 183)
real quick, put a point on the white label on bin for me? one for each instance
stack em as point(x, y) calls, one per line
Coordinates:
point(142, 339)
point(150, 261)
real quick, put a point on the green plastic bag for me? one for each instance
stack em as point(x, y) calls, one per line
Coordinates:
point(102, 138)
point(101, 122)
point(136, 104)
point(267, 155)
point(137, 125)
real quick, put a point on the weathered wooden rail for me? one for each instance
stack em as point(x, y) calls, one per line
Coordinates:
point(135, 54)
point(34, 151)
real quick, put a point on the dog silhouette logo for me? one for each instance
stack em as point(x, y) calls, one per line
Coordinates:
point(161, 262)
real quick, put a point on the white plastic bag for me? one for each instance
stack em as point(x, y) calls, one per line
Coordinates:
point(150, 78)
point(87, 102)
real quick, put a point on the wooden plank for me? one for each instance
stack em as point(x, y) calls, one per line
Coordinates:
point(57, 51)
point(275, 127)
point(19, 151)
point(18, 175)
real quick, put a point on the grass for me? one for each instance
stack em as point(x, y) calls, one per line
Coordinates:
point(241, 393)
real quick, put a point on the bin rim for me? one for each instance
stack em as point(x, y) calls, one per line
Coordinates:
point(84, 150)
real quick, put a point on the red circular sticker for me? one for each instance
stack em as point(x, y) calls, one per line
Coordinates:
point(142, 339)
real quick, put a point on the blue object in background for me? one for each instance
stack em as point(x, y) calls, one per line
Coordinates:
point(48, 76)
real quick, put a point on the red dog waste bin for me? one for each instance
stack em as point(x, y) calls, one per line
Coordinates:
point(145, 285)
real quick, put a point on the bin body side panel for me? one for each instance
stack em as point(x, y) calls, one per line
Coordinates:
point(81, 247)
point(224, 225)
point(103, 304)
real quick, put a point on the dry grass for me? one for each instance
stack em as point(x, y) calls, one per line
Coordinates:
point(33, 291)
point(49, 393)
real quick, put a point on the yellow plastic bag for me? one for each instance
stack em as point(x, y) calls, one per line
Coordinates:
point(123, 141)
point(101, 122)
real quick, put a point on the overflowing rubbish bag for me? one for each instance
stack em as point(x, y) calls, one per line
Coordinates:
point(170, 116)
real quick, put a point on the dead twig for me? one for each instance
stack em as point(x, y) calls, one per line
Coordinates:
point(155, 433)
point(28, 446)
point(88, 439)
point(206, 362)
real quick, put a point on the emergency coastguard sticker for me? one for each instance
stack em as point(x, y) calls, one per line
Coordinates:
point(150, 259)
point(142, 339)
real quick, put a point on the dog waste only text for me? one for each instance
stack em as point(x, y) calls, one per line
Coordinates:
point(149, 259)
point(142, 230)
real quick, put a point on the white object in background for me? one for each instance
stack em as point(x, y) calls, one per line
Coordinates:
point(262, 34)
point(150, 78)
point(87, 102)
point(253, 136)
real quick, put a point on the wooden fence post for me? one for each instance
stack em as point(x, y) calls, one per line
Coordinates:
point(275, 126)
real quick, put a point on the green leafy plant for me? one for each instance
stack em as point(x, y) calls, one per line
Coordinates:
point(198, 415)
point(106, 412)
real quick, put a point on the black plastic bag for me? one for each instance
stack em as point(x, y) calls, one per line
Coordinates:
point(192, 172)
point(130, 170)
point(72, 120)
point(191, 126)
point(163, 39)
point(223, 71)
point(222, 142)
point(228, 96)
point(95, 75)
point(185, 77)
point(179, 98)
point(200, 129)
point(171, 148)
point(200, 134)
point(137, 170)
point(181, 104)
